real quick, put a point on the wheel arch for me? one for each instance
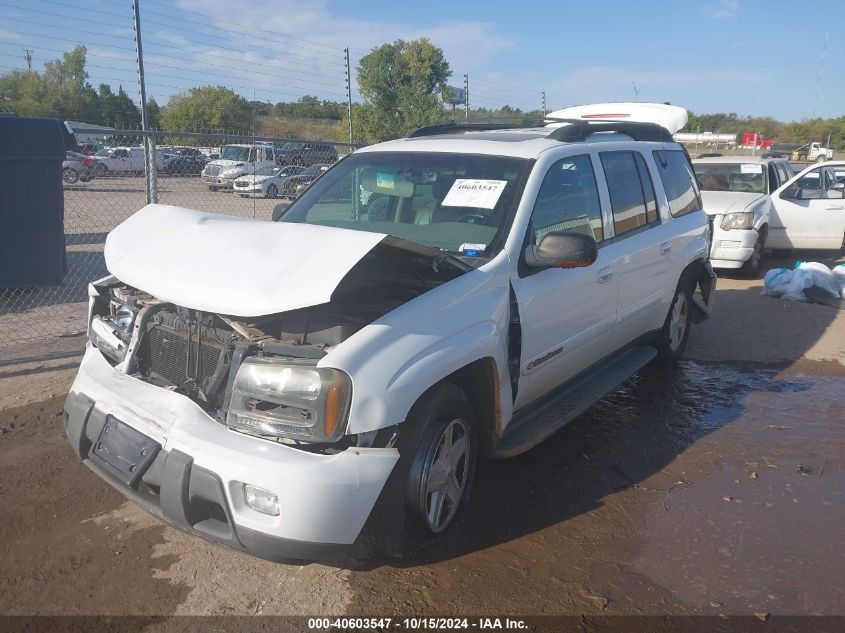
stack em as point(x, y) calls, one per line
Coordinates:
point(479, 380)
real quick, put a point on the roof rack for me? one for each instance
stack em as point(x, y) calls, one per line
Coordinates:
point(638, 131)
point(454, 127)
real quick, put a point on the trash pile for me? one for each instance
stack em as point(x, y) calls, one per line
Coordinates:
point(807, 281)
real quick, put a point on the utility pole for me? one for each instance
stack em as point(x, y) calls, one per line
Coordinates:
point(27, 55)
point(348, 92)
point(150, 184)
point(466, 96)
point(636, 91)
point(544, 102)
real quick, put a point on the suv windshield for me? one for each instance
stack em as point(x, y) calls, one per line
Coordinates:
point(451, 202)
point(744, 177)
point(232, 152)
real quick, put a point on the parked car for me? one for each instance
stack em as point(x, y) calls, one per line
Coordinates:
point(265, 183)
point(736, 191)
point(77, 167)
point(186, 165)
point(461, 293)
point(88, 149)
point(809, 210)
point(306, 153)
point(295, 185)
point(122, 160)
point(234, 162)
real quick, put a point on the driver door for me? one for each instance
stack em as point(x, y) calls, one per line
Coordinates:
point(568, 315)
point(809, 212)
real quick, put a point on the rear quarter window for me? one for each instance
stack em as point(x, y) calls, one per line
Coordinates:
point(678, 179)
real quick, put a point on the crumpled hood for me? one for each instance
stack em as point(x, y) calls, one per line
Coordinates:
point(230, 265)
point(721, 202)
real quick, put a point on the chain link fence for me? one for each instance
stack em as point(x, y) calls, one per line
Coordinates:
point(229, 173)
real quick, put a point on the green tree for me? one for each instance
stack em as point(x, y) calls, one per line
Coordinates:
point(401, 84)
point(153, 114)
point(207, 108)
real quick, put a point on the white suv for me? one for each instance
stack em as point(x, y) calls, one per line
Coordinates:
point(736, 191)
point(460, 293)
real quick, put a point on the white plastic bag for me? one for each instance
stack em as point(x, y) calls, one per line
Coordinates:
point(822, 277)
point(794, 290)
point(839, 275)
point(776, 281)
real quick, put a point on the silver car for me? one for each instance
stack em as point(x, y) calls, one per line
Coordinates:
point(77, 167)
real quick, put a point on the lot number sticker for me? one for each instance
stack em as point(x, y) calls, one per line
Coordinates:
point(749, 168)
point(481, 194)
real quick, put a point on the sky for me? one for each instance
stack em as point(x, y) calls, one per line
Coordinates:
point(772, 58)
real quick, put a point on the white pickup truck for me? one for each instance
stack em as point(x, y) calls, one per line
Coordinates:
point(120, 160)
point(460, 293)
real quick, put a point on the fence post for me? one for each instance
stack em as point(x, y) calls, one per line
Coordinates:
point(348, 92)
point(149, 154)
point(466, 96)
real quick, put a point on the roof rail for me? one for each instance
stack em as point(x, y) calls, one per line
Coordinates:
point(636, 130)
point(455, 127)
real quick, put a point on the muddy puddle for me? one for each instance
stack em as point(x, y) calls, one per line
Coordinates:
point(712, 489)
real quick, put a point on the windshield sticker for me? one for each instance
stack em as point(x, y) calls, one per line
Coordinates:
point(749, 168)
point(481, 194)
point(472, 250)
point(385, 181)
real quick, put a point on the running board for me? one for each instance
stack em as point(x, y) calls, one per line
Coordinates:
point(538, 422)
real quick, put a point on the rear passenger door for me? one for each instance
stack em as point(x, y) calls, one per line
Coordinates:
point(569, 314)
point(640, 246)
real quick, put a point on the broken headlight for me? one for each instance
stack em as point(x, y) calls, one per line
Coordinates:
point(285, 399)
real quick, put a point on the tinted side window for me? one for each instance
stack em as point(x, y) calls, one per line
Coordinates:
point(568, 200)
point(678, 180)
point(626, 191)
point(648, 188)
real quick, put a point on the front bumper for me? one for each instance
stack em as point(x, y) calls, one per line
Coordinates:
point(251, 191)
point(731, 249)
point(195, 481)
point(217, 181)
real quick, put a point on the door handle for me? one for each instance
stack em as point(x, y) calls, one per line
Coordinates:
point(835, 207)
point(665, 247)
point(605, 274)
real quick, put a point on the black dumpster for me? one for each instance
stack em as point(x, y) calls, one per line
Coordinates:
point(32, 235)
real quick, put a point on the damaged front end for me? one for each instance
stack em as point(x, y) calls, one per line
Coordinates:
point(259, 375)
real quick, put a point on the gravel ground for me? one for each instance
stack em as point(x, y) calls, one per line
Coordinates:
point(715, 488)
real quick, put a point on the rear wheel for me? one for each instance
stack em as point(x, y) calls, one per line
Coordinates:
point(210, 188)
point(672, 340)
point(272, 191)
point(69, 175)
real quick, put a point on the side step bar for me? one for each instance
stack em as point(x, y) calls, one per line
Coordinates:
point(537, 422)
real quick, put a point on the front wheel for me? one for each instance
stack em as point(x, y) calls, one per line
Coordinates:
point(430, 485)
point(752, 267)
point(674, 335)
point(69, 175)
point(210, 188)
point(272, 191)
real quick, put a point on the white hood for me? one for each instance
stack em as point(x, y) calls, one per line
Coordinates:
point(721, 202)
point(230, 265)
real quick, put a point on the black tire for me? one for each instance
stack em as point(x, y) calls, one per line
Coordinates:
point(272, 191)
point(751, 268)
point(84, 178)
point(210, 188)
point(398, 523)
point(70, 176)
point(670, 342)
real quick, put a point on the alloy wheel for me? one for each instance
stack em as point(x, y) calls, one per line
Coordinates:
point(445, 476)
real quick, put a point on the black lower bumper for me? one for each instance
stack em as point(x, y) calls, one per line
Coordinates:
point(186, 496)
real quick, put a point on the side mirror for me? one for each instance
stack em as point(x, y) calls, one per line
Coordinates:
point(562, 249)
point(279, 210)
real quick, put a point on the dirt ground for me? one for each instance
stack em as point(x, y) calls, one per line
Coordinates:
point(715, 488)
